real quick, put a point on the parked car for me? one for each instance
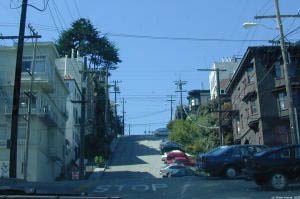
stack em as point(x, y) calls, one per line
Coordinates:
point(170, 146)
point(228, 160)
point(183, 172)
point(184, 161)
point(172, 155)
point(275, 168)
point(169, 169)
point(164, 156)
point(161, 132)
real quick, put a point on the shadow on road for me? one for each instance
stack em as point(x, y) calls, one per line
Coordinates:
point(127, 175)
point(130, 147)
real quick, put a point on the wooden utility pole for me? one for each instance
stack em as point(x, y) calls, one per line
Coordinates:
point(123, 115)
point(171, 104)
point(289, 95)
point(82, 120)
point(179, 84)
point(30, 96)
point(16, 95)
point(116, 91)
point(217, 70)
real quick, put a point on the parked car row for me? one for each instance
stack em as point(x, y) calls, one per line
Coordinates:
point(178, 163)
point(268, 167)
point(275, 168)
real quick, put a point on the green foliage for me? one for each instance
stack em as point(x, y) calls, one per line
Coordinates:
point(83, 36)
point(195, 138)
point(99, 160)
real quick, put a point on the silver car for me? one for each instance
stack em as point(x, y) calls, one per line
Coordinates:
point(170, 169)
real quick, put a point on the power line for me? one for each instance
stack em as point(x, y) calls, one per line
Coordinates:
point(182, 38)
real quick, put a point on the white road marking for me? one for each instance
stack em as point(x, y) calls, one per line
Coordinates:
point(124, 187)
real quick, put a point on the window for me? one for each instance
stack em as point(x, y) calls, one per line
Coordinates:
point(39, 64)
point(238, 126)
point(297, 152)
point(250, 73)
point(253, 107)
point(278, 70)
point(282, 101)
point(3, 133)
point(242, 123)
point(26, 65)
point(282, 154)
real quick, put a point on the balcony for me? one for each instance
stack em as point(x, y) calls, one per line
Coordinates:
point(253, 121)
point(42, 80)
point(249, 91)
point(280, 82)
point(45, 114)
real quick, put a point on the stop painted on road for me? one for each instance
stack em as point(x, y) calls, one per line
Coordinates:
point(137, 187)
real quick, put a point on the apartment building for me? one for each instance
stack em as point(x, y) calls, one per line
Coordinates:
point(257, 92)
point(197, 98)
point(70, 70)
point(230, 65)
point(48, 117)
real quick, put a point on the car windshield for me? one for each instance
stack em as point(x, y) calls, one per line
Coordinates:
point(94, 95)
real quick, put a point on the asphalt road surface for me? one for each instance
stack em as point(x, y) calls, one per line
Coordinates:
point(134, 173)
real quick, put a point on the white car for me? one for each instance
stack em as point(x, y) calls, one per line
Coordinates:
point(170, 169)
point(164, 156)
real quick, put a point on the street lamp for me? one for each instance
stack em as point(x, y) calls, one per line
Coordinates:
point(248, 25)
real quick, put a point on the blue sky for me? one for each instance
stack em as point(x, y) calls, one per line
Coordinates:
point(150, 67)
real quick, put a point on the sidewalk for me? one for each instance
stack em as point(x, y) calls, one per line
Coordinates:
point(99, 172)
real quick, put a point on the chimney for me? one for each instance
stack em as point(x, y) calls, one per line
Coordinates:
point(72, 53)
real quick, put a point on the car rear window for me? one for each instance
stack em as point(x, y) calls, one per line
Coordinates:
point(220, 150)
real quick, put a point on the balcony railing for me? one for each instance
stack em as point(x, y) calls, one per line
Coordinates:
point(253, 121)
point(48, 116)
point(44, 80)
point(249, 90)
point(280, 82)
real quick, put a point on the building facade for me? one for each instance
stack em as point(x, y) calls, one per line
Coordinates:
point(197, 98)
point(70, 70)
point(258, 97)
point(230, 65)
point(48, 117)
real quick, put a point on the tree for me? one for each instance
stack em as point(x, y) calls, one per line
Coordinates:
point(84, 37)
point(193, 133)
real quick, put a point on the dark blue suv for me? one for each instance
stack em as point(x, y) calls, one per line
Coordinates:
point(227, 160)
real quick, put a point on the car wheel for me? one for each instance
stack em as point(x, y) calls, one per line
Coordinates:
point(278, 181)
point(169, 175)
point(230, 172)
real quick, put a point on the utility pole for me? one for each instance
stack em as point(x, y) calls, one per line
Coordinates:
point(116, 90)
point(217, 70)
point(123, 114)
point(82, 120)
point(16, 95)
point(107, 68)
point(129, 129)
point(171, 103)
point(289, 96)
point(179, 84)
point(30, 96)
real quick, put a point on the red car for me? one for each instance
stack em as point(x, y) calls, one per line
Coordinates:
point(172, 155)
point(184, 161)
